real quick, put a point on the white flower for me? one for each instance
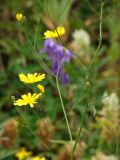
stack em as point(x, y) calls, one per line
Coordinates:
point(101, 156)
point(81, 37)
point(111, 101)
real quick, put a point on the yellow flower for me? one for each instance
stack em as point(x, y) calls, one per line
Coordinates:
point(56, 33)
point(42, 158)
point(22, 154)
point(38, 158)
point(19, 16)
point(27, 99)
point(35, 158)
point(31, 78)
point(41, 88)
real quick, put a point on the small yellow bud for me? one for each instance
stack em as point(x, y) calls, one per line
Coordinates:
point(41, 88)
point(19, 16)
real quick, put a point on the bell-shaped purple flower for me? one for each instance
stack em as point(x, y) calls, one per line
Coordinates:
point(59, 56)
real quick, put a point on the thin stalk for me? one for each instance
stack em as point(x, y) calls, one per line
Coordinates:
point(97, 101)
point(43, 114)
point(60, 96)
point(37, 57)
point(65, 115)
point(117, 146)
point(60, 15)
point(79, 133)
point(59, 141)
point(49, 143)
point(27, 126)
point(44, 124)
point(100, 36)
point(93, 9)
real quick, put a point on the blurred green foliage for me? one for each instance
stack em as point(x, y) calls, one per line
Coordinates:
point(19, 46)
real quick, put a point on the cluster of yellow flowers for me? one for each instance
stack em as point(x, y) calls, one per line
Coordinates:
point(23, 153)
point(29, 98)
point(33, 78)
point(59, 31)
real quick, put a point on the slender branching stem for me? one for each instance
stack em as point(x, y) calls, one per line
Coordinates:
point(34, 134)
point(100, 36)
point(62, 104)
point(79, 132)
point(90, 67)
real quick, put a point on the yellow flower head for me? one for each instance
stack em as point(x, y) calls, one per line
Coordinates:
point(59, 31)
point(19, 16)
point(31, 78)
point(38, 158)
point(41, 88)
point(42, 158)
point(35, 158)
point(22, 154)
point(27, 99)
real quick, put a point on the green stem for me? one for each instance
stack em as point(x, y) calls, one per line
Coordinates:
point(65, 115)
point(37, 57)
point(27, 126)
point(100, 36)
point(117, 145)
point(43, 123)
point(58, 141)
point(79, 133)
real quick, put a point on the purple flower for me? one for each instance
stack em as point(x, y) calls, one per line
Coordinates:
point(59, 56)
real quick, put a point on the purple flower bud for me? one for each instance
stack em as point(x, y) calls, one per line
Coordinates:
point(58, 55)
